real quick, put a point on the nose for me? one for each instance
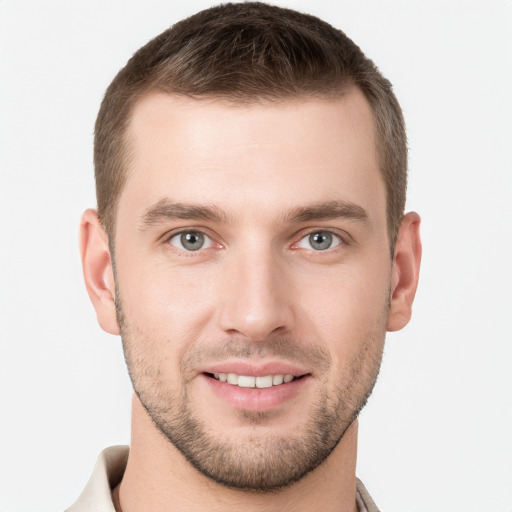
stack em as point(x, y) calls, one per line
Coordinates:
point(257, 300)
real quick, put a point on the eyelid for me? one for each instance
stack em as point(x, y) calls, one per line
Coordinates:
point(343, 237)
point(177, 236)
point(212, 240)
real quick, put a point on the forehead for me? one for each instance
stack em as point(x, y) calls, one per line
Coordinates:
point(257, 155)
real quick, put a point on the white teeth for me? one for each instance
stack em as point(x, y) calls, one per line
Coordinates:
point(264, 382)
point(277, 379)
point(245, 381)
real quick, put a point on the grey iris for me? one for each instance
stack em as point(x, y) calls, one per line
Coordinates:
point(320, 241)
point(192, 241)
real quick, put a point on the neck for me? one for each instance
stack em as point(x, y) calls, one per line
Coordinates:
point(158, 477)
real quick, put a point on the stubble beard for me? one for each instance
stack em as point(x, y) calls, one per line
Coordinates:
point(261, 463)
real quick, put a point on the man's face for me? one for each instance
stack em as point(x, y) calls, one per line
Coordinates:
point(251, 246)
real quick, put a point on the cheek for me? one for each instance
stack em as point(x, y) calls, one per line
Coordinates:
point(159, 294)
point(344, 310)
point(165, 313)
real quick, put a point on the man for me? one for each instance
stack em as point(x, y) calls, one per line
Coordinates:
point(250, 247)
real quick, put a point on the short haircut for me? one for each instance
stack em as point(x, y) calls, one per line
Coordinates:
point(245, 53)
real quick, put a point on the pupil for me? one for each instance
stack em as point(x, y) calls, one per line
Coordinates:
point(321, 241)
point(192, 241)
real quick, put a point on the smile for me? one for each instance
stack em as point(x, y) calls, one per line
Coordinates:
point(246, 381)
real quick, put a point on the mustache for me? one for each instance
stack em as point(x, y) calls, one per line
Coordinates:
point(292, 350)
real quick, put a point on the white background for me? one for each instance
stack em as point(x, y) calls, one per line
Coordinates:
point(437, 433)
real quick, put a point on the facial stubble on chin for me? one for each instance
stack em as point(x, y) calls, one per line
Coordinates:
point(261, 463)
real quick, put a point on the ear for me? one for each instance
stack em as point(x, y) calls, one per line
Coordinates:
point(98, 271)
point(405, 273)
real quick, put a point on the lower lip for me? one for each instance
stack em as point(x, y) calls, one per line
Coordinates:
point(256, 399)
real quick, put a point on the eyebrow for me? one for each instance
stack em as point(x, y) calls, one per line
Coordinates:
point(327, 210)
point(165, 210)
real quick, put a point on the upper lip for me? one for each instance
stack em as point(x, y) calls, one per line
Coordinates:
point(253, 369)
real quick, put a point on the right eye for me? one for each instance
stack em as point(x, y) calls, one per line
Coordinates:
point(190, 241)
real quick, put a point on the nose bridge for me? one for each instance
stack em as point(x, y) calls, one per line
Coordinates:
point(256, 302)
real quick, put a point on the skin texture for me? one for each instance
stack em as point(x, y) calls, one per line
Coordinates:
point(257, 181)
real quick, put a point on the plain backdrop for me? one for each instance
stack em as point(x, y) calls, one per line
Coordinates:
point(437, 432)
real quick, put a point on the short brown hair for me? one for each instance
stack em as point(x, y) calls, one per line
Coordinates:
point(244, 53)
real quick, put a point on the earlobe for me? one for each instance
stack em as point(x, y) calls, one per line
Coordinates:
point(98, 271)
point(405, 274)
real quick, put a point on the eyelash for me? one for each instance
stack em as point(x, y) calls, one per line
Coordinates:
point(209, 240)
point(336, 239)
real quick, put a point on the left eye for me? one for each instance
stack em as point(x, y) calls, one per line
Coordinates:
point(319, 241)
point(190, 241)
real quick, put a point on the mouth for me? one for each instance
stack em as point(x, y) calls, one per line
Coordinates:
point(248, 381)
point(258, 388)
